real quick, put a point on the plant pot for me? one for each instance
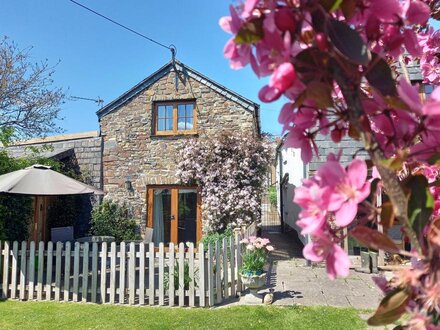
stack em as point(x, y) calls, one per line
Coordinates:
point(254, 283)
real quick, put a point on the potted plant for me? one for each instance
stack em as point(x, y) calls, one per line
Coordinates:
point(254, 257)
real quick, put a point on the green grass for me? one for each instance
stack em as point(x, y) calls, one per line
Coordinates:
point(48, 315)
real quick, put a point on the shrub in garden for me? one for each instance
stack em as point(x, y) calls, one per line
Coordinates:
point(111, 219)
point(341, 66)
point(254, 255)
point(230, 170)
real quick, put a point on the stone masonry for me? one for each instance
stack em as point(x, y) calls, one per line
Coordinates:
point(131, 152)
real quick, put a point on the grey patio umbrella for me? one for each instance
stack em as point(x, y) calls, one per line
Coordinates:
point(41, 180)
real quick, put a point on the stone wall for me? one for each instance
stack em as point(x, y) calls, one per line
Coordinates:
point(132, 153)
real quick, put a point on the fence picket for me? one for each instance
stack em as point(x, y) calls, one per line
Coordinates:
point(181, 274)
point(23, 257)
point(201, 284)
point(5, 286)
point(161, 274)
point(151, 287)
point(94, 272)
point(210, 277)
point(1, 270)
point(239, 261)
point(132, 274)
point(14, 270)
point(232, 266)
point(218, 273)
point(85, 272)
point(171, 289)
point(49, 261)
point(58, 270)
point(67, 258)
point(225, 268)
point(40, 271)
point(31, 270)
point(103, 290)
point(112, 272)
point(122, 273)
point(191, 274)
point(76, 271)
point(142, 274)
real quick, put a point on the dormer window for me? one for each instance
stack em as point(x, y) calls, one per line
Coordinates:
point(171, 118)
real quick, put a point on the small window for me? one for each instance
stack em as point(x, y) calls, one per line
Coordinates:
point(174, 118)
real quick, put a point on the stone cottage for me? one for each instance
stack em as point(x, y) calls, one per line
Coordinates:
point(144, 129)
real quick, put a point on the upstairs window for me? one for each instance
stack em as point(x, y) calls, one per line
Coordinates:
point(174, 118)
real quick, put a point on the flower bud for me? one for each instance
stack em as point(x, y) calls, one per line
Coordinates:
point(321, 41)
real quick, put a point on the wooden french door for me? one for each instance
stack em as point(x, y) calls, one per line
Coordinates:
point(174, 214)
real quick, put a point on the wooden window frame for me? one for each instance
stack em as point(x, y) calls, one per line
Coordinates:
point(174, 209)
point(174, 131)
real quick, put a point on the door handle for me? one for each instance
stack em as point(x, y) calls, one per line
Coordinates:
point(173, 217)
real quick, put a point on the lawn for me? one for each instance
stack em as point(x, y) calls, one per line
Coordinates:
point(47, 315)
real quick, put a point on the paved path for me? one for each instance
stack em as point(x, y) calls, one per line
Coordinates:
point(295, 282)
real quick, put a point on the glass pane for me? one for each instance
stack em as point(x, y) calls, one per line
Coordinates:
point(189, 110)
point(161, 124)
point(187, 226)
point(181, 123)
point(160, 111)
point(189, 123)
point(181, 110)
point(169, 111)
point(161, 216)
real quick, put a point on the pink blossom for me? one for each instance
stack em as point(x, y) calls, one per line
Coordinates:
point(269, 248)
point(282, 78)
point(350, 187)
point(322, 248)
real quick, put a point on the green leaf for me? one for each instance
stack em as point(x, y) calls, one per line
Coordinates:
point(420, 203)
point(372, 239)
point(391, 308)
point(434, 159)
point(348, 42)
point(320, 93)
point(250, 32)
point(330, 5)
point(380, 76)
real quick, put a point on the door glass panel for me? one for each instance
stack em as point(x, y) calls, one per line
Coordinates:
point(187, 226)
point(161, 216)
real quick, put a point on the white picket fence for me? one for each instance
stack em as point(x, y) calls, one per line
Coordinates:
point(126, 273)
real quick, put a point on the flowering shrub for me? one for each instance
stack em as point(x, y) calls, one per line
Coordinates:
point(230, 171)
point(254, 255)
point(341, 65)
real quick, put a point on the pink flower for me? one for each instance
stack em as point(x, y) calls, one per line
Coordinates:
point(322, 248)
point(282, 78)
point(244, 241)
point(349, 188)
point(269, 248)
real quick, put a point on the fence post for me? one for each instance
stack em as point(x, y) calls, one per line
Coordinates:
point(142, 274)
point(191, 274)
point(112, 272)
point(181, 274)
point(40, 271)
point(67, 272)
point(76, 271)
point(225, 268)
point(218, 273)
point(5, 287)
point(14, 270)
point(94, 271)
point(161, 274)
point(85, 277)
point(210, 276)
point(49, 271)
point(151, 269)
point(122, 272)
point(58, 261)
point(31, 270)
point(23, 258)
point(202, 272)
point(232, 265)
point(239, 261)
point(103, 290)
point(132, 274)
point(171, 275)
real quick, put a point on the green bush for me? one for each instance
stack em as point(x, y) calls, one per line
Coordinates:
point(272, 192)
point(213, 237)
point(186, 278)
point(111, 219)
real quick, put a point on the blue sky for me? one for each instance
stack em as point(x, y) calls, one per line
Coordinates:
point(98, 58)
